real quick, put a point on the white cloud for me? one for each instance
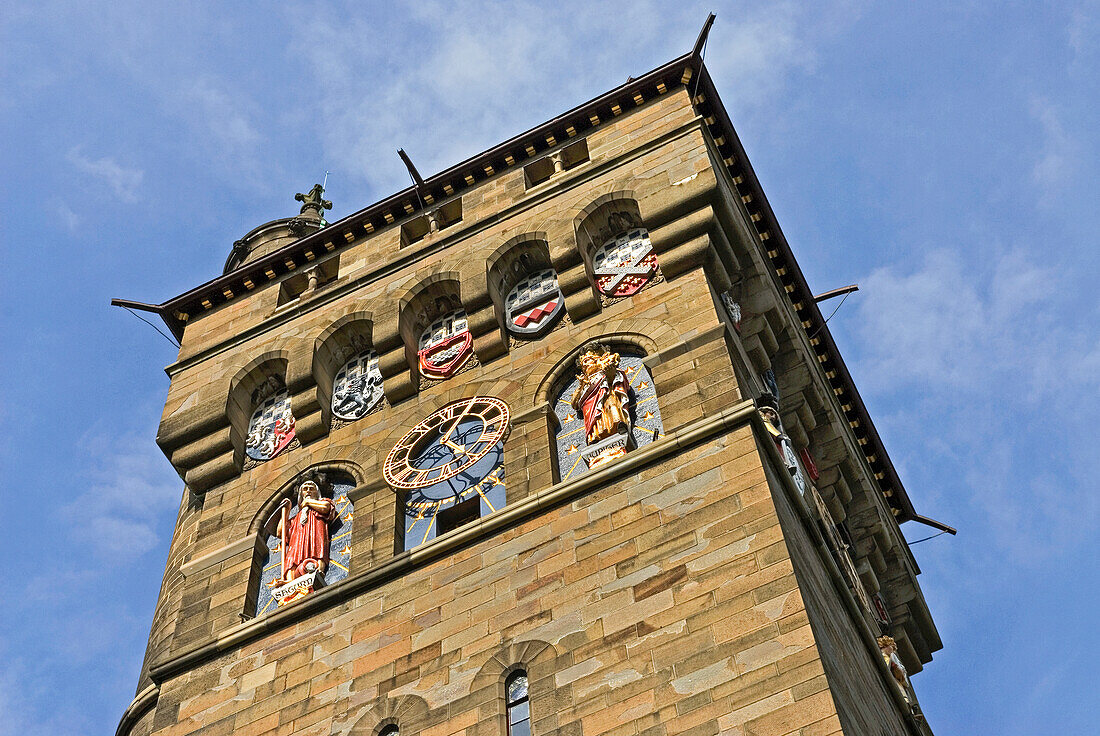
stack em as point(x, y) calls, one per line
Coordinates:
point(131, 490)
point(123, 181)
point(220, 116)
point(1007, 385)
point(760, 46)
point(471, 77)
point(1082, 30)
point(953, 325)
point(66, 215)
point(1059, 151)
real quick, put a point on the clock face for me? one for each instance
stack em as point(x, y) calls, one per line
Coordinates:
point(449, 442)
point(453, 456)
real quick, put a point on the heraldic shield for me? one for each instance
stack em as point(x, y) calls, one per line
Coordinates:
point(624, 264)
point(357, 388)
point(271, 428)
point(445, 346)
point(534, 304)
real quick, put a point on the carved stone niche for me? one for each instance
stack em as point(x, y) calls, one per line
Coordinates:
point(618, 253)
point(350, 338)
point(435, 330)
point(524, 288)
point(267, 379)
point(607, 220)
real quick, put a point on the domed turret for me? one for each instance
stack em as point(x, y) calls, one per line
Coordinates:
point(275, 234)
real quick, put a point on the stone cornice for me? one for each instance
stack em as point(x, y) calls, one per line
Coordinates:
point(409, 256)
point(436, 189)
point(687, 70)
point(141, 704)
point(793, 282)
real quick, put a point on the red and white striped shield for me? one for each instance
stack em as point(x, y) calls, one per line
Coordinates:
point(534, 303)
point(445, 346)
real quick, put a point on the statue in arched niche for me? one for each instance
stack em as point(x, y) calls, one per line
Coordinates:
point(317, 553)
point(603, 399)
point(768, 407)
point(304, 541)
point(889, 649)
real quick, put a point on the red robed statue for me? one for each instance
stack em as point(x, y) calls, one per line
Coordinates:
point(305, 535)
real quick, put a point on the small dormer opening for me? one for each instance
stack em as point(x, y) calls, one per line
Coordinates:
point(432, 221)
point(309, 280)
point(458, 515)
point(543, 169)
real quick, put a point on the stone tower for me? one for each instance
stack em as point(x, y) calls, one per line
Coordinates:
point(552, 442)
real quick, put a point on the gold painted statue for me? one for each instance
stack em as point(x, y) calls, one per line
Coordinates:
point(889, 649)
point(603, 399)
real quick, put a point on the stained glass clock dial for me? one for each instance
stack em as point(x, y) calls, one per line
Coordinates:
point(452, 457)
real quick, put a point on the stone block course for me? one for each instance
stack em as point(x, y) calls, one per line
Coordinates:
point(610, 646)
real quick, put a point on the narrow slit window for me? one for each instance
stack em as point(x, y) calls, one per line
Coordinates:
point(519, 707)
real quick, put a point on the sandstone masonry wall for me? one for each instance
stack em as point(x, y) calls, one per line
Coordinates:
point(666, 603)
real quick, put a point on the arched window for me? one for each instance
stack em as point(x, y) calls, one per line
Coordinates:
point(616, 246)
point(390, 730)
point(519, 707)
point(435, 330)
point(524, 286)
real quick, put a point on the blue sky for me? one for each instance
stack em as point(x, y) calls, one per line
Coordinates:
point(942, 154)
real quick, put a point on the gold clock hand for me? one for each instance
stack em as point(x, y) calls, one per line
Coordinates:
point(456, 448)
point(469, 405)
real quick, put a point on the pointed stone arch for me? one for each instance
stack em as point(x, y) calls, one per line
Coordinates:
point(556, 367)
